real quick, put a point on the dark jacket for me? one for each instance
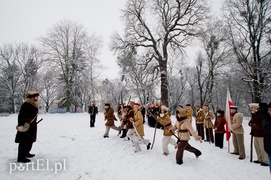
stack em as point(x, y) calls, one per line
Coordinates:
point(256, 124)
point(267, 133)
point(93, 110)
point(219, 124)
point(28, 112)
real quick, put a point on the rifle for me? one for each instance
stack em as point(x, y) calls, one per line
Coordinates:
point(122, 114)
point(101, 96)
point(164, 127)
point(251, 148)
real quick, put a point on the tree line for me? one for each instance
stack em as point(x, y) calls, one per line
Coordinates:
point(233, 51)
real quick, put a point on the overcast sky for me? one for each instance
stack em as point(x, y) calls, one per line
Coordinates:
point(25, 20)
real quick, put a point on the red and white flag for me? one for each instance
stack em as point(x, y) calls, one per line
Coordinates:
point(228, 114)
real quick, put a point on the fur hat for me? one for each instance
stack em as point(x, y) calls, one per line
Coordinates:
point(220, 112)
point(182, 113)
point(31, 94)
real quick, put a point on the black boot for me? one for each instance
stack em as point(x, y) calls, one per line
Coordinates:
point(124, 132)
point(197, 153)
point(23, 160)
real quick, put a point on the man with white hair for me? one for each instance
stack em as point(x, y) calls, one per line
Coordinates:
point(257, 132)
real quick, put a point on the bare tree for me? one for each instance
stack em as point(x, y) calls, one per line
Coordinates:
point(216, 53)
point(160, 25)
point(67, 48)
point(249, 23)
point(48, 84)
point(19, 66)
point(29, 60)
point(9, 77)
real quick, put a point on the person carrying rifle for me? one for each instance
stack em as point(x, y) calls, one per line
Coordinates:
point(28, 114)
point(165, 120)
point(137, 121)
point(129, 125)
point(184, 128)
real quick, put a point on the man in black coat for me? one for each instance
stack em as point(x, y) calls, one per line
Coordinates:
point(27, 126)
point(267, 133)
point(92, 110)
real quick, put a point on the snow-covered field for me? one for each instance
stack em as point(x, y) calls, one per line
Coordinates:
point(67, 148)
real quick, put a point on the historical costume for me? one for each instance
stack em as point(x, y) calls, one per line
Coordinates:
point(184, 128)
point(27, 117)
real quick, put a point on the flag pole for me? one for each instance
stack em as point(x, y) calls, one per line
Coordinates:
point(228, 118)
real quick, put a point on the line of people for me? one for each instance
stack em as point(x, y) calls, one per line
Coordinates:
point(210, 128)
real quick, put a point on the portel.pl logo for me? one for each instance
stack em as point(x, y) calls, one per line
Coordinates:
point(38, 165)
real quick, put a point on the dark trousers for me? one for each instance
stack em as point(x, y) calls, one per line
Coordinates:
point(184, 145)
point(24, 149)
point(200, 130)
point(209, 134)
point(219, 139)
point(92, 120)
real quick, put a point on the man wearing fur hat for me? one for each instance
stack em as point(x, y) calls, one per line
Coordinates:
point(137, 121)
point(184, 128)
point(208, 124)
point(189, 112)
point(257, 132)
point(26, 136)
point(165, 120)
point(200, 121)
point(109, 120)
point(237, 133)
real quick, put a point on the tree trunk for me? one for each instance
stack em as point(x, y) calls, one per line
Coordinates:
point(164, 83)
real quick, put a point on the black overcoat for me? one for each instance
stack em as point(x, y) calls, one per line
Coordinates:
point(28, 112)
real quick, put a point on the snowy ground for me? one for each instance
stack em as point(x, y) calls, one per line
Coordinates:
point(67, 148)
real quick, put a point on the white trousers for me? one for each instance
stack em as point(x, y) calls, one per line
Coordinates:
point(139, 140)
point(130, 134)
point(166, 141)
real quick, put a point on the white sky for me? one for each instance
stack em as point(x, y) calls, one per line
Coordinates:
point(25, 20)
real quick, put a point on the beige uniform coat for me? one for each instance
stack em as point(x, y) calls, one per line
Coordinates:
point(236, 125)
point(138, 123)
point(166, 122)
point(208, 117)
point(182, 126)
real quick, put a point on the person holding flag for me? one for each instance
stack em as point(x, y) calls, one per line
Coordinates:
point(228, 118)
